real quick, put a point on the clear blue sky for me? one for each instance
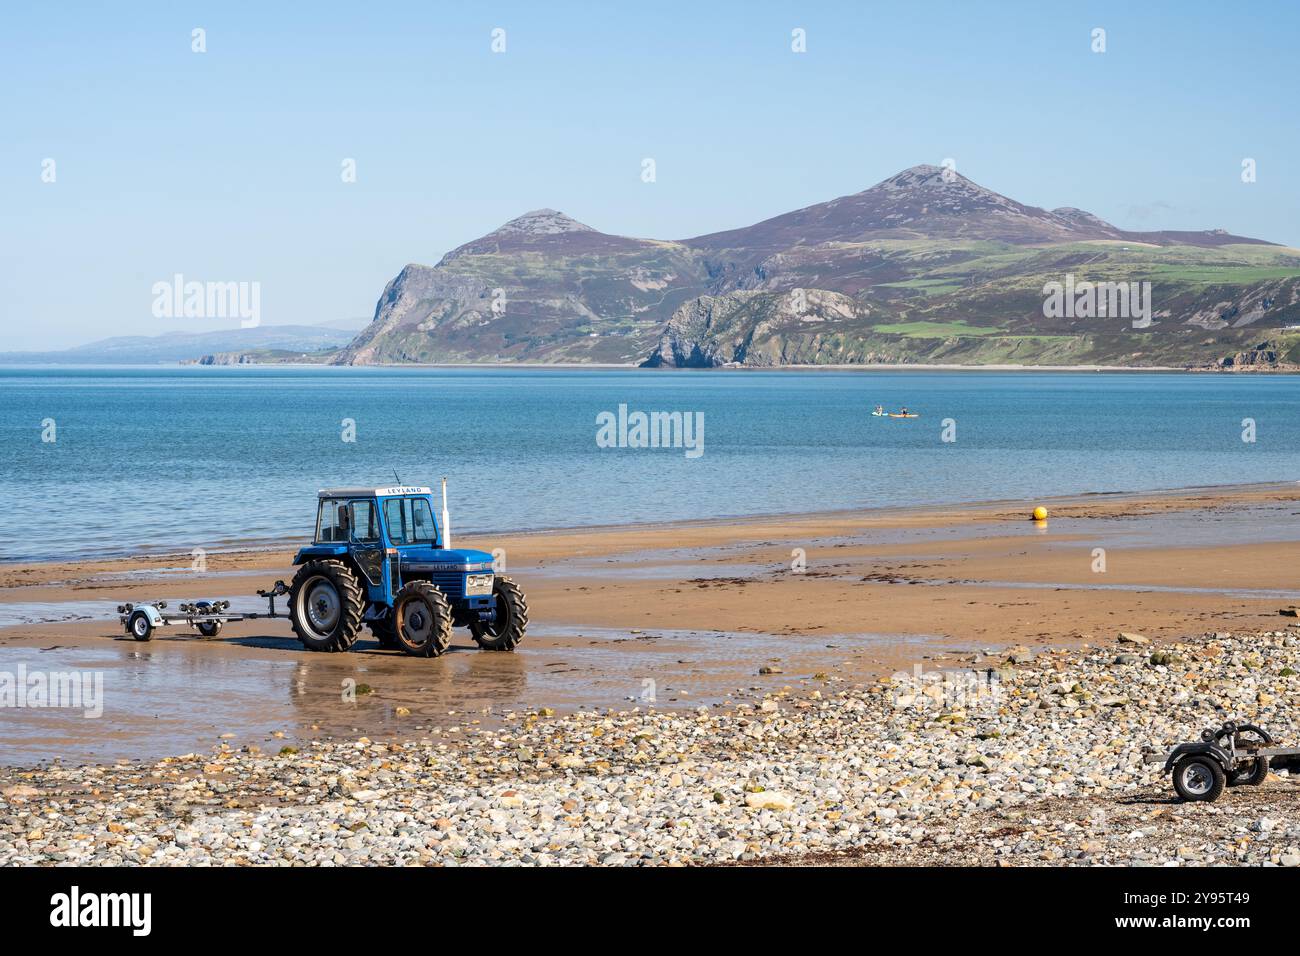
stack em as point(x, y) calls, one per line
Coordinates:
point(226, 165)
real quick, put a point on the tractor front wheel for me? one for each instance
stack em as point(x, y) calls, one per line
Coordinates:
point(422, 620)
point(325, 606)
point(507, 627)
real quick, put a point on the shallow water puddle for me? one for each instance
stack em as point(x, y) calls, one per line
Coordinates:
point(53, 612)
point(1263, 594)
point(178, 695)
point(131, 701)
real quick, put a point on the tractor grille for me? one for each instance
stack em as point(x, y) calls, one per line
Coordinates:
point(450, 583)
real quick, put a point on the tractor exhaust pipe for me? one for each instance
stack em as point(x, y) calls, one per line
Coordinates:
point(446, 521)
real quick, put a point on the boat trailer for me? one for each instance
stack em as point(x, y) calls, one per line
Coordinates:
point(1233, 755)
point(206, 617)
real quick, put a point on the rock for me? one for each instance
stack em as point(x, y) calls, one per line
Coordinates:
point(1128, 659)
point(1127, 637)
point(769, 800)
point(769, 669)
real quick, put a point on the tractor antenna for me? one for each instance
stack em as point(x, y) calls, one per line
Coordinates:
point(395, 478)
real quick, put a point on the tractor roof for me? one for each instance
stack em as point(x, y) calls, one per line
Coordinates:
point(372, 492)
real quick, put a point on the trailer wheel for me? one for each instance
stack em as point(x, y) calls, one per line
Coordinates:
point(139, 626)
point(507, 629)
point(422, 620)
point(325, 606)
point(208, 628)
point(1250, 774)
point(1199, 778)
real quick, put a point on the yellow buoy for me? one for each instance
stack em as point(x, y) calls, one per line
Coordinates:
point(1040, 513)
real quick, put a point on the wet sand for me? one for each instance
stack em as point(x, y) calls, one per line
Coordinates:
point(672, 616)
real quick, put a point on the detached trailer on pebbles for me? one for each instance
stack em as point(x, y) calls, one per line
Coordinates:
point(1235, 754)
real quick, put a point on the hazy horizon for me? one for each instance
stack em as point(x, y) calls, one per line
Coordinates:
point(228, 165)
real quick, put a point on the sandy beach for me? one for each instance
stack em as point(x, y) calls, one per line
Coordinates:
point(675, 616)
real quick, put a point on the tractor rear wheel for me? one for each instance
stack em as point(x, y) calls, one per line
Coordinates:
point(383, 631)
point(506, 629)
point(325, 606)
point(422, 620)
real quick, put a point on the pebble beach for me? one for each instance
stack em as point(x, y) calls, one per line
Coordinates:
point(1023, 757)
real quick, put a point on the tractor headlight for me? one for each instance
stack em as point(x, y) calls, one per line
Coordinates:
point(478, 584)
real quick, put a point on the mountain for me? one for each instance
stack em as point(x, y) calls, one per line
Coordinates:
point(187, 346)
point(925, 266)
point(543, 287)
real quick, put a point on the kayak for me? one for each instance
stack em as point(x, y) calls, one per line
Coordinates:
point(879, 414)
point(901, 415)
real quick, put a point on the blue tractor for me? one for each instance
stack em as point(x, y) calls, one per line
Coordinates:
point(380, 559)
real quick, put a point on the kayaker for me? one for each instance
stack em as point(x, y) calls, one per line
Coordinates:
point(880, 409)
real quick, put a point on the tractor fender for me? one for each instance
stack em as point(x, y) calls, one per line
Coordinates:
point(320, 552)
point(1199, 748)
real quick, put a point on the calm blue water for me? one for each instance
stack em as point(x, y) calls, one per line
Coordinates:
point(180, 458)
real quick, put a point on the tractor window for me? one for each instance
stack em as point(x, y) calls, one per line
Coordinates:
point(365, 521)
point(410, 521)
point(332, 524)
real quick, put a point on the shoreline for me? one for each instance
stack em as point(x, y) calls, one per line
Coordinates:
point(256, 546)
point(611, 367)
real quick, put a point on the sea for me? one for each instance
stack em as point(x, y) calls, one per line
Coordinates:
point(111, 461)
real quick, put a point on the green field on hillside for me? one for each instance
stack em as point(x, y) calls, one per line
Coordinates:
point(933, 330)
